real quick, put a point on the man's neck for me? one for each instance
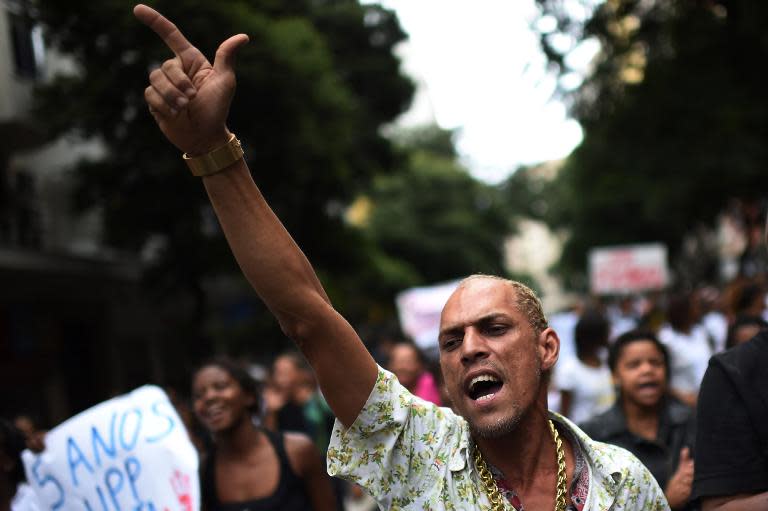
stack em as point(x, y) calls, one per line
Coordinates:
point(527, 455)
point(528, 460)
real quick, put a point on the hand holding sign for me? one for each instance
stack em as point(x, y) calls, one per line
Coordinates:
point(188, 97)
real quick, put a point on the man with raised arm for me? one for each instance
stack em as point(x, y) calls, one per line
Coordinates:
point(502, 449)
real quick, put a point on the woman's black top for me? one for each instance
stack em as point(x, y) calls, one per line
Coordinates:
point(290, 494)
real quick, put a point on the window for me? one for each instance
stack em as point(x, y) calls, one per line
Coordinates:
point(26, 41)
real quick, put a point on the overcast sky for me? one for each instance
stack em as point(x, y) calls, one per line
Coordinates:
point(479, 68)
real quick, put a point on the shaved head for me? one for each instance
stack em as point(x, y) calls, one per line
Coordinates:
point(527, 302)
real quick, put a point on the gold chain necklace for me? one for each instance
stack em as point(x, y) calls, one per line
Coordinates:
point(492, 490)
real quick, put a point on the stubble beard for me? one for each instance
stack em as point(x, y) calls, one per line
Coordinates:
point(500, 428)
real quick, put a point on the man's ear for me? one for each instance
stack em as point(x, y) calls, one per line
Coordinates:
point(549, 348)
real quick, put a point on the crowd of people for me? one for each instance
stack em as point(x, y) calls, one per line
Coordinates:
point(661, 399)
point(633, 373)
point(631, 378)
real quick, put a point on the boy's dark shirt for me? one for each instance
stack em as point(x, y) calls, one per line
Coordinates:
point(662, 455)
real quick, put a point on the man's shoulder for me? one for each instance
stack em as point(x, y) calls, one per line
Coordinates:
point(751, 354)
point(398, 443)
point(617, 476)
point(742, 368)
point(608, 458)
point(623, 475)
point(391, 409)
point(614, 459)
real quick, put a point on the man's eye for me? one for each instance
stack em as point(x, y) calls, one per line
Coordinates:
point(450, 344)
point(497, 329)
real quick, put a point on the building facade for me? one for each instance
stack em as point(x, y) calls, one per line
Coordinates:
point(73, 326)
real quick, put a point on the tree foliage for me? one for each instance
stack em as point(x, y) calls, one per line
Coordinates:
point(674, 119)
point(315, 84)
point(435, 222)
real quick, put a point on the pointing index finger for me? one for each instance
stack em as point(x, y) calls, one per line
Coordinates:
point(167, 31)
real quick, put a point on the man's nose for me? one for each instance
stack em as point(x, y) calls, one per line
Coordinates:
point(473, 346)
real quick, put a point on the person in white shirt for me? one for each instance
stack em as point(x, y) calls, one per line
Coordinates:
point(712, 317)
point(585, 381)
point(689, 348)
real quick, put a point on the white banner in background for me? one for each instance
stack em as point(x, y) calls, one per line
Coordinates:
point(628, 269)
point(130, 453)
point(419, 311)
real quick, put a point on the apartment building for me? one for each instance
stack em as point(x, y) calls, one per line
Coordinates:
point(73, 326)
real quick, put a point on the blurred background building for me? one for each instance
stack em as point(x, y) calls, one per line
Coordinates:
point(72, 322)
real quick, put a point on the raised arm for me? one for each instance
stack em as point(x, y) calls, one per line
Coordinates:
point(190, 98)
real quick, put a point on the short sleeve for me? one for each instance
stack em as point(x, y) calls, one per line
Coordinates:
point(727, 451)
point(397, 447)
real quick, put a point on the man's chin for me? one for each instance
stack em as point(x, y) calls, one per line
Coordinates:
point(489, 429)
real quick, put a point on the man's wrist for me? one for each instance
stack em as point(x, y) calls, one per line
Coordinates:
point(203, 147)
point(216, 160)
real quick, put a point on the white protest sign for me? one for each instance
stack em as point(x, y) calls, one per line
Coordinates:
point(130, 453)
point(419, 311)
point(628, 268)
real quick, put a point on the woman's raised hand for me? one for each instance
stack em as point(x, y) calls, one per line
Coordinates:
point(188, 97)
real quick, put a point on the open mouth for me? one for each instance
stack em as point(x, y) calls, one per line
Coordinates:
point(484, 387)
point(649, 385)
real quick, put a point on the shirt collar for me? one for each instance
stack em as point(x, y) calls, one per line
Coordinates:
point(605, 470)
point(461, 457)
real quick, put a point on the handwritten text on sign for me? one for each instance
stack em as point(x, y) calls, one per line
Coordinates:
point(130, 453)
point(627, 269)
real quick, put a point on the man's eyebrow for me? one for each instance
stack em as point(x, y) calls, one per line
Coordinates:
point(483, 320)
point(453, 329)
point(492, 317)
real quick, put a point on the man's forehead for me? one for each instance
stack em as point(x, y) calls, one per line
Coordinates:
point(479, 298)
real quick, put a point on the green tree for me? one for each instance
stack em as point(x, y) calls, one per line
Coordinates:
point(674, 119)
point(434, 221)
point(315, 84)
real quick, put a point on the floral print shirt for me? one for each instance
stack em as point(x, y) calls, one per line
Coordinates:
point(412, 455)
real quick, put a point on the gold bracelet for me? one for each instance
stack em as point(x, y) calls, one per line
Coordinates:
point(217, 160)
